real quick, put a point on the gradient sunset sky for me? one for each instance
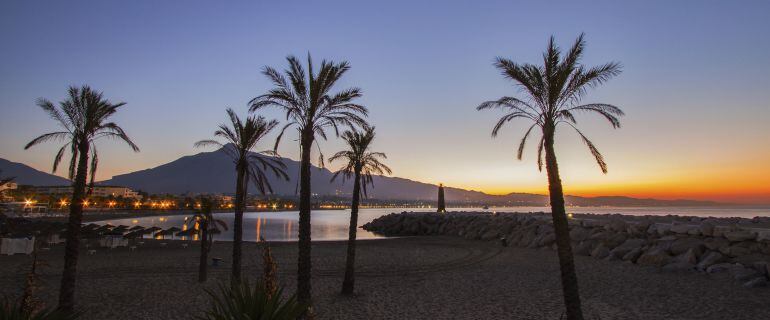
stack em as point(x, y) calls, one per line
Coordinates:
point(694, 84)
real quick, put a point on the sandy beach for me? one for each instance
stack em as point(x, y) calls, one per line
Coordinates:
point(450, 277)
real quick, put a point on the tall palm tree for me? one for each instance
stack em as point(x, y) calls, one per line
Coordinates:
point(83, 118)
point(312, 109)
point(207, 226)
point(241, 138)
point(360, 164)
point(553, 94)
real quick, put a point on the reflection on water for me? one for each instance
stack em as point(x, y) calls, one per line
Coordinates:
point(333, 224)
point(273, 226)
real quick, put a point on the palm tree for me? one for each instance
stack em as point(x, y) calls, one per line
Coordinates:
point(553, 95)
point(207, 226)
point(83, 119)
point(360, 164)
point(250, 166)
point(312, 109)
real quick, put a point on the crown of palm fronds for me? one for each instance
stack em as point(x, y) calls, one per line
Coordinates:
point(358, 157)
point(241, 138)
point(83, 116)
point(204, 214)
point(307, 99)
point(553, 94)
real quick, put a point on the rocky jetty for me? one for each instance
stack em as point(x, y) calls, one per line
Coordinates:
point(736, 247)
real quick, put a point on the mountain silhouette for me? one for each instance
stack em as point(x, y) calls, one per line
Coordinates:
point(214, 172)
point(26, 175)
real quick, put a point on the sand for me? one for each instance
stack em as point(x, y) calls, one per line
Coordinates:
point(404, 278)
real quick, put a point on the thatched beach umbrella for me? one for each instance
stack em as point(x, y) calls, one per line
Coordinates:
point(120, 229)
point(104, 228)
point(186, 233)
point(167, 232)
point(134, 234)
point(135, 228)
point(151, 230)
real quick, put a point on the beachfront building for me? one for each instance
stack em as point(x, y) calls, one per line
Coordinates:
point(99, 191)
point(9, 186)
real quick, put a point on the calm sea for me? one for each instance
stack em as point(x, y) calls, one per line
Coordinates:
point(333, 224)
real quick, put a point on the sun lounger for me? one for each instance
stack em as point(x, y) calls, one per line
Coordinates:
point(10, 246)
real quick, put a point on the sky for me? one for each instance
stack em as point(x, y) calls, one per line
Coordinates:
point(694, 84)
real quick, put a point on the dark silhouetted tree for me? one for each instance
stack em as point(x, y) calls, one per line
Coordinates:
point(552, 96)
point(311, 108)
point(360, 164)
point(207, 227)
point(252, 166)
point(83, 118)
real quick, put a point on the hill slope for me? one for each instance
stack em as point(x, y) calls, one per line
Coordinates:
point(213, 172)
point(27, 175)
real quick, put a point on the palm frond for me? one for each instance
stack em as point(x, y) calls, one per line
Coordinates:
point(594, 151)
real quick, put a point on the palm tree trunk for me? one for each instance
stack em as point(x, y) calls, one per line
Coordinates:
point(348, 283)
point(238, 224)
point(569, 280)
point(204, 225)
point(303, 259)
point(72, 245)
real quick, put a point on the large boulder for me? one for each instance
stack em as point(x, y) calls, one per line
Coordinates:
point(614, 240)
point(709, 259)
point(682, 245)
point(735, 250)
point(600, 252)
point(633, 255)
point(682, 228)
point(719, 267)
point(763, 235)
point(547, 239)
point(715, 243)
point(688, 257)
point(657, 257)
point(627, 247)
point(661, 228)
point(719, 231)
point(740, 235)
point(490, 235)
point(706, 228)
point(584, 248)
point(617, 225)
point(578, 233)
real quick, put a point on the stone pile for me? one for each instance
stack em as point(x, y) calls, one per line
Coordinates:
point(736, 247)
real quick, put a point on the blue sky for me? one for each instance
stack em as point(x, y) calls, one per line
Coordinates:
point(694, 83)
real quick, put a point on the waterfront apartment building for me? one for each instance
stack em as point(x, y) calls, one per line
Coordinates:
point(99, 191)
point(9, 186)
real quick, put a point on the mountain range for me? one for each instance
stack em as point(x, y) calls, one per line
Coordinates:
point(213, 172)
point(25, 174)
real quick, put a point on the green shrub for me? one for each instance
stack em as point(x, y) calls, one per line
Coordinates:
point(246, 302)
